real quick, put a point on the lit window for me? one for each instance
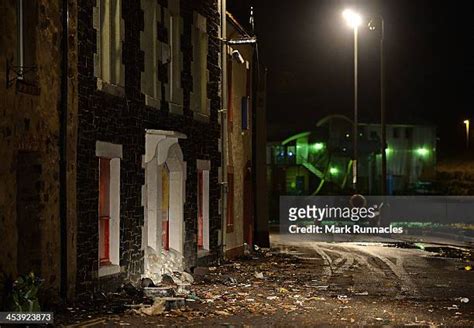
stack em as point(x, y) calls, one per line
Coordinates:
point(151, 47)
point(109, 156)
point(104, 211)
point(108, 21)
point(199, 102)
point(175, 23)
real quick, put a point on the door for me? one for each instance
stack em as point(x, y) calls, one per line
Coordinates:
point(248, 205)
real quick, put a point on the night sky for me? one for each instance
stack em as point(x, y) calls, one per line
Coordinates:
point(308, 50)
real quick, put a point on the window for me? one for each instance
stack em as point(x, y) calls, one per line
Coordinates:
point(199, 102)
point(108, 65)
point(396, 133)
point(245, 102)
point(104, 211)
point(149, 44)
point(203, 205)
point(408, 133)
point(230, 200)
point(230, 95)
point(174, 26)
point(27, 20)
point(109, 156)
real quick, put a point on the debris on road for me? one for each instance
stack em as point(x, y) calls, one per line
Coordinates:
point(258, 285)
point(158, 307)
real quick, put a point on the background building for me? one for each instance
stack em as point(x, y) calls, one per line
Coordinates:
point(319, 162)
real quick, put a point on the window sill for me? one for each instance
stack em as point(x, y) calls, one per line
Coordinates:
point(201, 117)
point(203, 253)
point(152, 102)
point(176, 108)
point(112, 89)
point(108, 270)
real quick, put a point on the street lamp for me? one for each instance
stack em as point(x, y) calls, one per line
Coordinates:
point(383, 125)
point(353, 20)
point(466, 122)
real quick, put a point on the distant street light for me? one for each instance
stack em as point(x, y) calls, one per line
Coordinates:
point(466, 122)
point(353, 19)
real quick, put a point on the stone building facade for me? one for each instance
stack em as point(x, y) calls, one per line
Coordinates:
point(30, 36)
point(112, 143)
point(148, 77)
point(239, 160)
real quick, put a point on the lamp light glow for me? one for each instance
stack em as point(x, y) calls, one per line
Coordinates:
point(318, 146)
point(422, 151)
point(333, 170)
point(352, 18)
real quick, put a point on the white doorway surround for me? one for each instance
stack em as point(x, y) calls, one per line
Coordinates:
point(163, 160)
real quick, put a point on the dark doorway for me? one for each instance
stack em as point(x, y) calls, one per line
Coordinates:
point(248, 205)
point(28, 209)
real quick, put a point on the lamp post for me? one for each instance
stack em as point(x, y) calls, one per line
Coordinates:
point(353, 19)
point(383, 125)
point(466, 122)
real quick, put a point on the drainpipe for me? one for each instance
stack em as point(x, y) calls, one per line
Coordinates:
point(63, 149)
point(223, 117)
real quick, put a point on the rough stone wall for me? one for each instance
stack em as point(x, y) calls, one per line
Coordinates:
point(123, 120)
point(29, 128)
point(239, 143)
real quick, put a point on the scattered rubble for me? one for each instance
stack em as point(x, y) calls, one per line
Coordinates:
point(259, 285)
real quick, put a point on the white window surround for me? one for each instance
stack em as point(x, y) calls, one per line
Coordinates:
point(200, 104)
point(205, 167)
point(114, 152)
point(110, 27)
point(151, 47)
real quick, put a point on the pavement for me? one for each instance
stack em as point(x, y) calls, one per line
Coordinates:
point(307, 283)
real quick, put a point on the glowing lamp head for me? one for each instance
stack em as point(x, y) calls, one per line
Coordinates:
point(318, 146)
point(423, 152)
point(333, 170)
point(466, 122)
point(352, 18)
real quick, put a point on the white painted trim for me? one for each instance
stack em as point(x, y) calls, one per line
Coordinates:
point(112, 89)
point(108, 270)
point(162, 148)
point(152, 102)
point(205, 209)
point(108, 150)
point(204, 165)
point(114, 152)
point(152, 140)
point(114, 211)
